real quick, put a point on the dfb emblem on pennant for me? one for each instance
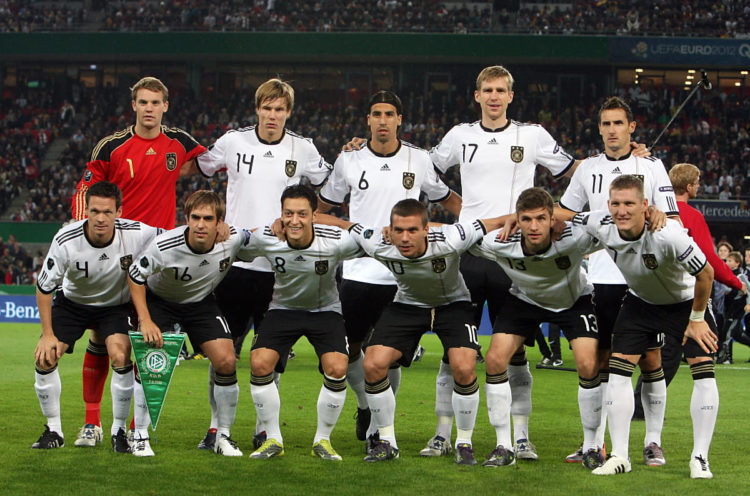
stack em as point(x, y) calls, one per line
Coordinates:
point(171, 161)
point(649, 261)
point(563, 263)
point(290, 168)
point(408, 180)
point(516, 154)
point(126, 261)
point(321, 267)
point(224, 264)
point(438, 265)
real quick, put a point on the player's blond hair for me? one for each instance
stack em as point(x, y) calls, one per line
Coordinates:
point(205, 197)
point(493, 72)
point(273, 89)
point(683, 174)
point(152, 84)
point(628, 181)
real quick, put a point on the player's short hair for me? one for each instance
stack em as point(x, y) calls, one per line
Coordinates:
point(152, 84)
point(385, 96)
point(105, 189)
point(409, 207)
point(683, 174)
point(533, 198)
point(736, 256)
point(628, 181)
point(494, 72)
point(272, 89)
point(300, 191)
point(205, 197)
point(615, 102)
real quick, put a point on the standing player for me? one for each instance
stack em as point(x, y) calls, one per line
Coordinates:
point(669, 285)
point(377, 176)
point(431, 295)
point(260, 161)
point(305, 303)
point(172, 283)
point(145, 161)
point(549, 285)
point(590, 185)
point(90, 259)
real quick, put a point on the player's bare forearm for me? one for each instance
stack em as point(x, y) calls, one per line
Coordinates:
point(323, 206)
point(703, 284)
point(572, 169)
point(496, 222)
point(44, 304)
point(138, 295)
point(330, 220)
point(563, 214)
point(453, 203)
point(189, 168)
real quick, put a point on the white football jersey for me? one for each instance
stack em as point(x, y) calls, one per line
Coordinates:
point(376, 183)
point(433, 279)
point(496, 166)
point(176, 273)
point(257, 174)
point(89, 274)
point(590, 185)
point(553, 280)
point(306, 277)
point(659, 267)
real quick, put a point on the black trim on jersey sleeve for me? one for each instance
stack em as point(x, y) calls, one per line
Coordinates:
point(186, 140)
point(566, 169)
point(357, 228)
point(41, 290)
point(443, 198)
point(198, 164)
point(330, 202)
point(568, 208)
point(478, 223)
point(696, 266)
point(134, 270)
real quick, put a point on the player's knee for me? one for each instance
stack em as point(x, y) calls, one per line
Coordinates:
point(494, 361)
point(119, 357)
point(587, 367)
point(225, 363)
point(261, 364)
point(464, 373)
point(336, 369)
point(45, 366)
point(374, 368)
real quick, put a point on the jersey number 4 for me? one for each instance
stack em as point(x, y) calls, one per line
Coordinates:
point(243, 160)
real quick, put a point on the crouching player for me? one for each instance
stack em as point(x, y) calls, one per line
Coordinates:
point(305, 303)
point(670, 283)
point(171, 283)
point(90, 259)
point(549, 285)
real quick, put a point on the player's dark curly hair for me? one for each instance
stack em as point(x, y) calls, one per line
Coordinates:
point(300, 191)
point(105, 189)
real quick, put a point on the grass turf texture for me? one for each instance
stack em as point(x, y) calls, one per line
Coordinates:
point(179, 468)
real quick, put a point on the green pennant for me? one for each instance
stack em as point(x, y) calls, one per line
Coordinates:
point(155, 367)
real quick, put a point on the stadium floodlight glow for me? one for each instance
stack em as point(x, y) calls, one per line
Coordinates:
point(744, 73)
point(691, 71)
point(703, 82)
point(737, 83)
point(689, 76)
point(639, 70)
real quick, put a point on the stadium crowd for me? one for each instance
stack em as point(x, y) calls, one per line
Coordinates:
point(704, 18)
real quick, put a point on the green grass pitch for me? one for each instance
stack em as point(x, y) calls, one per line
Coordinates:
point(179, 468)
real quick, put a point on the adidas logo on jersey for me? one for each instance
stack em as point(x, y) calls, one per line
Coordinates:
point(631, 251)
point(493, 141)
point(385, 168)
point(268, 154)
point(616, 170)
point(150, 151)
point(204, 263)
point(299, 258)
point(103, 257)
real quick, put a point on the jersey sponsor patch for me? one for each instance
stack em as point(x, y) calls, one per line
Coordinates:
point(438, 265)
point(649, 260)
point(126, 262)
point(666, 188)
point(50, 264)
point(682, 257)
point(87, 175)
point(516, 154)
point(171, 161)
point(144, 262)
point(408, 180)
point(563, 263)
point(321, 267)
point(224, 264)
point(290, 167)
point(461, 231)
point(367, 234)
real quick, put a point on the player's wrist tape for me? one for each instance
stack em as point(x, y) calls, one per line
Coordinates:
point(697, 316)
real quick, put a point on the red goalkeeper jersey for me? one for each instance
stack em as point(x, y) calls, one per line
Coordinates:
point(146, 170)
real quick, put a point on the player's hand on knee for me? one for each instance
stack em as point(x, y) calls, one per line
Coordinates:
point(151, 333)
point(701, 334)
point(354, 144)
point(640, 150)
point(656, 218)
point(48, 351)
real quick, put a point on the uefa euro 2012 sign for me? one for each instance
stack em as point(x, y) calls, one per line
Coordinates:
point(155, 368)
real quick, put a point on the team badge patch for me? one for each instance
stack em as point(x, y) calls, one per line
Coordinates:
point(641, 177)
point(87, 175)
point(171, 161)
point(563, 263)
point(516, 154)
point(649, 261)
point(50, 264)
point(126, 261)
point(367, 234)
point(144, 262)
point(438, 265)
point(290, 168)
point(408, 180)
point(321, 267)
point(224, 264)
